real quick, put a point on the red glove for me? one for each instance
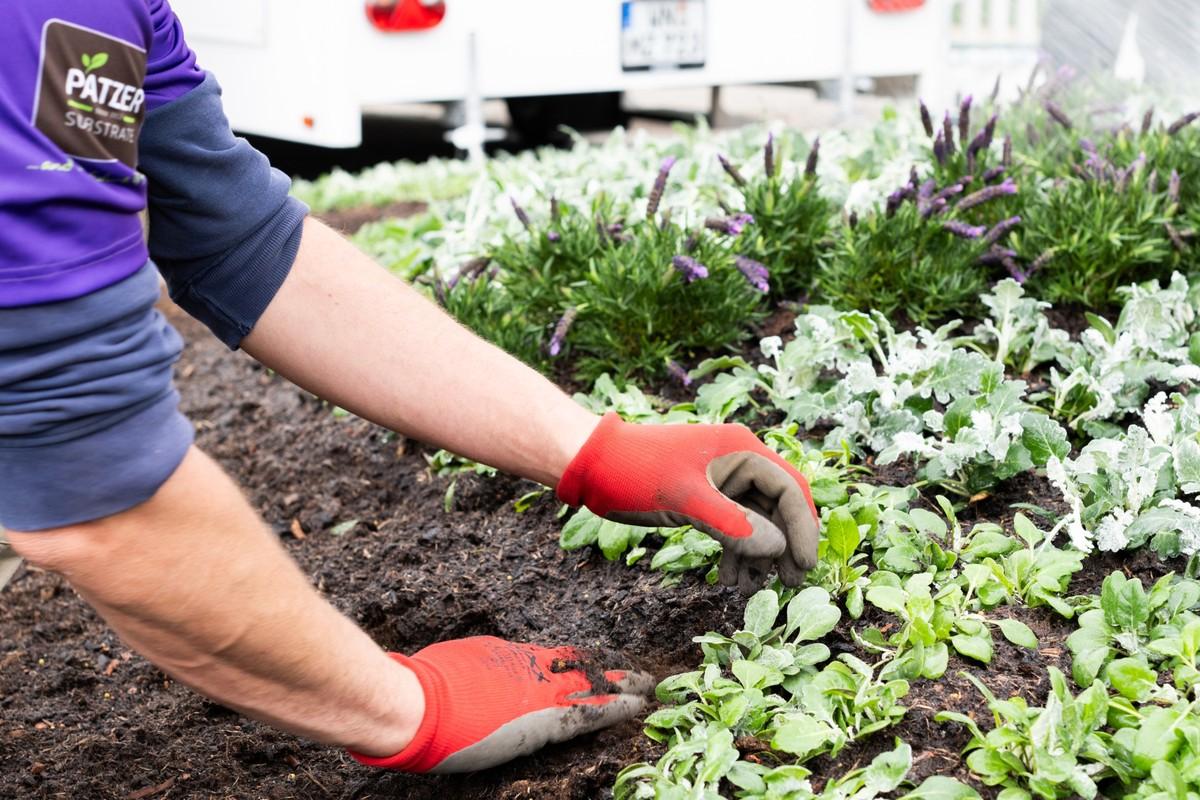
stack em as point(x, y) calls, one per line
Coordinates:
point(718, 478)
point(488, 701)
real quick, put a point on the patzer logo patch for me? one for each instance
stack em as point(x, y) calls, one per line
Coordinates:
point(90, 100)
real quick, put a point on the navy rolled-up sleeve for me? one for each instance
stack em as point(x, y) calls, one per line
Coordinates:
point(224, 230)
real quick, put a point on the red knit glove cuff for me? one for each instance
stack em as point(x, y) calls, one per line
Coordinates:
point(571, 485)
point(420, 755)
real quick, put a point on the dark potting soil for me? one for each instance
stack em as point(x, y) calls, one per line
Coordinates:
point(83, 717)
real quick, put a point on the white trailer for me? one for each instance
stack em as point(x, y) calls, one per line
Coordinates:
point(305, 70)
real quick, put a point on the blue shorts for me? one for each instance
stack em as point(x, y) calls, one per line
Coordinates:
point(89, 418)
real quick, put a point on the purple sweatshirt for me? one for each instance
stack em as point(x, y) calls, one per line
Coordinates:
point(77, 78)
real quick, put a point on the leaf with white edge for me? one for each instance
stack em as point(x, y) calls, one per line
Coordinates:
point(810, 615)
point(1018, 633)
point(1044, 437)
point(761, 612)
point(1187, 465)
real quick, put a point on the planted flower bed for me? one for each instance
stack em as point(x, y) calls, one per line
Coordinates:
point(976, 333)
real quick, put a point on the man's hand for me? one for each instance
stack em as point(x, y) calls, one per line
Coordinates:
point(719, 478)
point(488, 701)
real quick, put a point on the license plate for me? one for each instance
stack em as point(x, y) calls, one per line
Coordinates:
point(663, 34)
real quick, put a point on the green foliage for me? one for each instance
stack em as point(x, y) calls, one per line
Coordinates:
point(1128, 620)
point(1033, 572)
point(1095, 235)
point(682, 549)
point(906, 264)
point(607, 295)
point(791, 223)
point(1056, 751)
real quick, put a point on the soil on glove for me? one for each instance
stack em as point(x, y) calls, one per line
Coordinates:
point(83, 717)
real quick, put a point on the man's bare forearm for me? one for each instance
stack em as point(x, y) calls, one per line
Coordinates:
point(195, 582)
point(348, 331)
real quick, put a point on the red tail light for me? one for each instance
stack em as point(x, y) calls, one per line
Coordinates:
point(888, 6)
point(406, 15)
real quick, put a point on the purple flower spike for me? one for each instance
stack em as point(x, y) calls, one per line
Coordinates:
point(692, 242)
point(948, 134)
point(769, 156)
point(1000, 230)
point(680, 374)
point(963, 229)
point(964, 120)
point(520, 212)
point(754, 272)
point(1058, 115)
point(1176, 240)
point(894, 201)
point(1014, 270)
point(1006, 159)
point(993, 173)
point(996, 256)
point(939, 149)
point(1041, 261)
point(660, 186)
point(934, 208)
point(1152, 182)
point(690, 268)
point(470, 271)
point(986, 194)
point(990, 130)
point(554, 237)
point(731, 170)
point(1147, 120)
point(926, 119)
point(982, 140)
point(1182, 122)
point(560, 331)
point(730, 226)
point(950, 191)
point(814, 155)
point(555, 211)
point(1173, 186)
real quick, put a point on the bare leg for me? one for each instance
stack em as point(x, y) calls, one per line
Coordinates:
point(195, 582)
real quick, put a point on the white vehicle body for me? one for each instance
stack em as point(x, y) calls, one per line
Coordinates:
point(304, 70)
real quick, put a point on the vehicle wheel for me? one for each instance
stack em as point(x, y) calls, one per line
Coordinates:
point(537, 119)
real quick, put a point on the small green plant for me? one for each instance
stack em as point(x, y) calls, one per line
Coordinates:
point(791, 219)
point(1128, 621)
point(1084, 237)
point(1056, 751)
point(1000, 570)
point(904, 262)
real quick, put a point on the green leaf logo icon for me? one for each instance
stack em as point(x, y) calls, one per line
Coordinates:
point(93, 63)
